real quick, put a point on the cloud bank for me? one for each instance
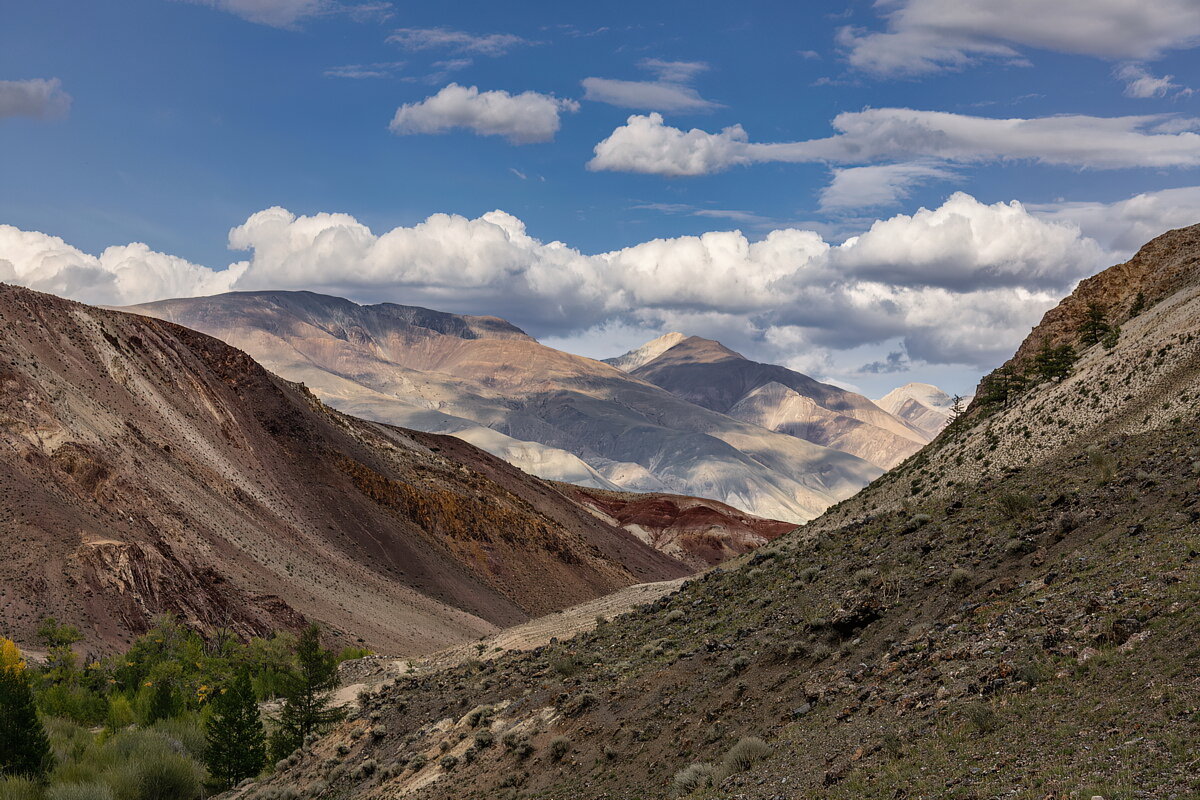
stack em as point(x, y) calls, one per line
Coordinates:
point(646, 144)
point(522, 118)
point(958, 284)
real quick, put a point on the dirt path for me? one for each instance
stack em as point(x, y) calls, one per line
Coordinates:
point(366, 673)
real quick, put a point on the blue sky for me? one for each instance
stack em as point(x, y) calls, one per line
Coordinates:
point(185, 119)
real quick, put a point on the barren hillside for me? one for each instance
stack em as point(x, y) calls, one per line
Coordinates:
point(148, 468)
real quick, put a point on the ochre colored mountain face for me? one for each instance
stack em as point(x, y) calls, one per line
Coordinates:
point(708, 374)
point(593, 423)
point(151, 469)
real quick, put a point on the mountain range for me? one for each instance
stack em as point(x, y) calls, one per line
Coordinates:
point(784, 447)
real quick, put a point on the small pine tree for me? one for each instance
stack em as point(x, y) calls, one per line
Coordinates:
point(236, 745)
point(1095, 325)
point(24, 746)
point(1054, 363)
point(306, 695)
point(1139, 304)
point(956, 408)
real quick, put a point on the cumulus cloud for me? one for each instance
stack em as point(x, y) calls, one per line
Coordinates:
point(131, 273)
point(647, 144)
point(488, 44)
point(668, 92)
point(40, 98)
point(1140, 83)
point(961, 283)
point(925, 36)
point(880, 184)
point(521, 118)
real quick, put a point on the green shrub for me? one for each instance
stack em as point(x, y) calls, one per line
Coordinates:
point(15, 787)
point(156, 773)
point(79, 791)
point(351, 653)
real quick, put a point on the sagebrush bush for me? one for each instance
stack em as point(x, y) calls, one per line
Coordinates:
point(694, 777)
point(1014, 504)
point(743, 754)
point(959, 578)
point(981, 717)
point(559, 747)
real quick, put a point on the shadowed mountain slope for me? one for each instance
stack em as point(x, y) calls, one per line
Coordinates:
point(146, 468)
point(455, 374)
point(711, 375)
point(1010, 613)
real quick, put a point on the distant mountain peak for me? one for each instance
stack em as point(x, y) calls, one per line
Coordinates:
point(647, 352)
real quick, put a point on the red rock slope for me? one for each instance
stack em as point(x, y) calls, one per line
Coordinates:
point(699, 532)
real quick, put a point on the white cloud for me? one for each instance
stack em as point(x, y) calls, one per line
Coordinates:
point(645, 95)
point(1125, 225)
point(276, 13)
point(488, 44)
point(290, 13)
point(674, 71)
point(926, 36)
point(961, 283)
point(880, 184)
point(40, 98)
point(521, 118)
point(1140, 83)
point(646, 144)
point(378, 69)
point(668, 92)
point(131, 273)
point(965, 245)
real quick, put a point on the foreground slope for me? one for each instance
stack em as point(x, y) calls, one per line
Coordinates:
point(412, 366)
point(1002, 616)
point(146, 468)
point(713, 376)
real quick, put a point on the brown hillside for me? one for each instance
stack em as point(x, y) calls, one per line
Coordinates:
point(147, 468)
